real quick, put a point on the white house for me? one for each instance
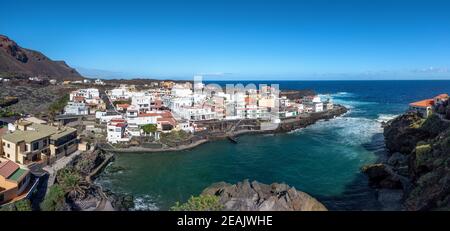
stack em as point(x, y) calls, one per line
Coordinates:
point(185, 126)
point(99, 82)
point(196, 113)
point(176, 103)
point(89, 93)
point(181, 91)
point(144, 118)
point(73, 108)
point(99, 114)
point(142, 102)
point(122, 92)
point(300, 108)
point(318, 107)
point(116, 131)
point(106, 118)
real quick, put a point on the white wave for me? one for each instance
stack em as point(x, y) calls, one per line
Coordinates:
point(346, 99)
point(295, 131)
point(385, 117)
point(337, 94)
point(145, 203)
point(351, 131)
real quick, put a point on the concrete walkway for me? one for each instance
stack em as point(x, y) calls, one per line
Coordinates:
point(58, 165)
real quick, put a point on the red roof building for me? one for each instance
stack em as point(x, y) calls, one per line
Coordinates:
point(423, 103)
point(7, 168)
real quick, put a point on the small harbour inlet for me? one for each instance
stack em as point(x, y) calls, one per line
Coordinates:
point(232, 139)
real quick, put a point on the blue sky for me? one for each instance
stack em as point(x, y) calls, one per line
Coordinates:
point(238, 39)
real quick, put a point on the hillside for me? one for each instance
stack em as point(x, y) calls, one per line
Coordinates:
point(16, 61)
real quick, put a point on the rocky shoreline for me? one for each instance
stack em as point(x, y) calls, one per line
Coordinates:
point(286, 125)
point(90, 196)
point(415, 175)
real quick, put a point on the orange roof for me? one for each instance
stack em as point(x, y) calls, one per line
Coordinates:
point(423, 103)
point(125, 105)
point(79, 98)
point(167, 114)
point(167, 120)
point(118, 121)
point(442, 96)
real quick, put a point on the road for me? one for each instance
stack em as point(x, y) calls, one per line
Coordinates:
point(108, 102)
point(58, 165)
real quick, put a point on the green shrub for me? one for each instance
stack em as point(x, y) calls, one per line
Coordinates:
point(58, 106)
point(200, 203)
point(422, 154)
point(54, 200)
point(22, 205)
point(149, 128)
point(7, 113)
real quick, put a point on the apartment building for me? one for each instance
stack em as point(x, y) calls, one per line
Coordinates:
point(32, 142)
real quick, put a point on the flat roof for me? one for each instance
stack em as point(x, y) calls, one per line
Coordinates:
point(26, 136)
point(39, 131)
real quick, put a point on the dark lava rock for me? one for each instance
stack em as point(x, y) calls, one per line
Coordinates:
point(401, 135)
point(381, 176)
point(255, 196)
point(422, 166)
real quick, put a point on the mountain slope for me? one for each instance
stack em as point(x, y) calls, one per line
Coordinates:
point(21, 62)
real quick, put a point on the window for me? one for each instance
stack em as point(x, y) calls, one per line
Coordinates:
point(8, 145)
point(35, 146)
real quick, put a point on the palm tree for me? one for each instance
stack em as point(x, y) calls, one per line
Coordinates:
point(73, 184)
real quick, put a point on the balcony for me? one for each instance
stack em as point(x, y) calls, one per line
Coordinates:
point(34, 156)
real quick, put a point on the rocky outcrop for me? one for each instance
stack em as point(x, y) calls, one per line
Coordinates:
point(419, 162)
point(404, 132)
point(401, 134)
point(255, 196)
point(16, 61)
point(296, 94)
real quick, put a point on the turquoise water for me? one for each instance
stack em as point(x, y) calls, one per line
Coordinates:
point(323, 159)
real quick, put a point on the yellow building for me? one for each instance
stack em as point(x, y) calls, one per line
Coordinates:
point(14, 180)
point(32, 142)
point(167, 84)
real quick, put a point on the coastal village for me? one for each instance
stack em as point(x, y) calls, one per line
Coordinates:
point(155, 117)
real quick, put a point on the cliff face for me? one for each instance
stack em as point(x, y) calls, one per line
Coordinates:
point(418, 163)
point(255, 196)
point(21, 62)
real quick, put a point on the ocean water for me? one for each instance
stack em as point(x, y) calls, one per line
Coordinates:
point(323, 159)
